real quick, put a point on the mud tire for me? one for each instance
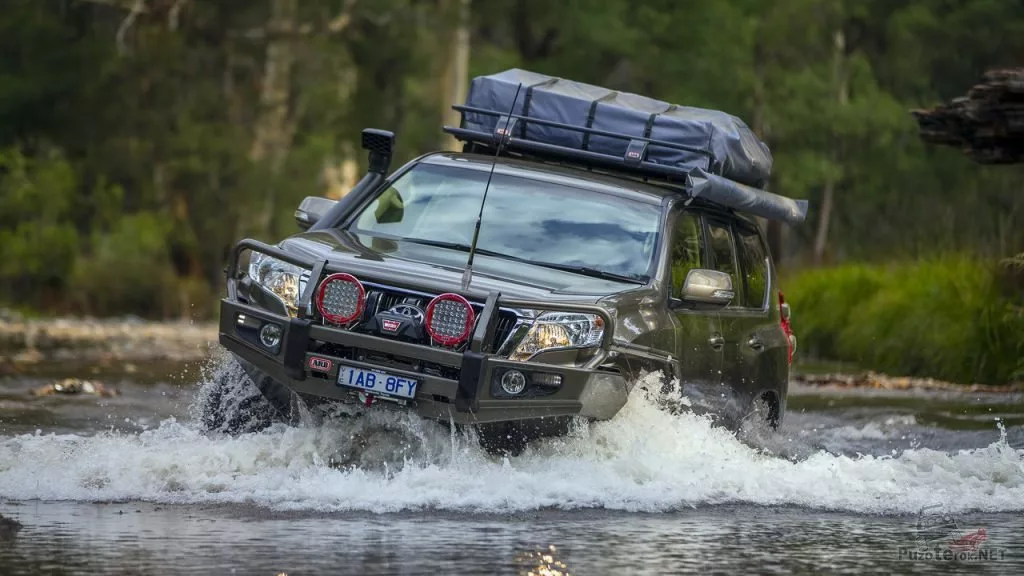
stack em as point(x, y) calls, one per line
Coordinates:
point(232, 403)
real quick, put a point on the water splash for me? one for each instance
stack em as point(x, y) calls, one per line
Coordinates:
point(651, 457)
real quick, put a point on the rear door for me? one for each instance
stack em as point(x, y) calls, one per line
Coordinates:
point(699, 342)
point(747, 327)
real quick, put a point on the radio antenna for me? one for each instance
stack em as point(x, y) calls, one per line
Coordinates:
point(503, 136)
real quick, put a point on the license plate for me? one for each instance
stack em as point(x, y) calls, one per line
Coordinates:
point(376, 382)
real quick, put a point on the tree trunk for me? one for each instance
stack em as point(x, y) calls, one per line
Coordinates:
point(827, 199)
point(775, 231)
point(338, 177)
point(273, 127)
point(455, 79)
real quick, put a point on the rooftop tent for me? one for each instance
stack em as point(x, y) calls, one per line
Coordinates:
point(721, 143)
point(713, 154)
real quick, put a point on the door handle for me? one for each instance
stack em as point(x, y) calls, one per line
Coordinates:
point(716, 341)
point(755, 343)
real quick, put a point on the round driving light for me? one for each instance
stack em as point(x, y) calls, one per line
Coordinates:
point(450, 319)
point(270, 335)
point(340, 298)
point(513, 382)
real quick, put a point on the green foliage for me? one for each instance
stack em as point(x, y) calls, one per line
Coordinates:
point(946, 318)
point(826, 301)
point(38, 241)
point(151, 131)
point(128, 269)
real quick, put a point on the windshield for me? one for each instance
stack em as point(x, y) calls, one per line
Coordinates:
point(523, 219)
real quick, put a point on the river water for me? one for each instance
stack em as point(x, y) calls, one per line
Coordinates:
point(854, 482)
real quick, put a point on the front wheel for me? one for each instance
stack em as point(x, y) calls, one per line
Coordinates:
point(232, 401)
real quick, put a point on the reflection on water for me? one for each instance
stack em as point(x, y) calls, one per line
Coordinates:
point(541, 563)
point(77, 538)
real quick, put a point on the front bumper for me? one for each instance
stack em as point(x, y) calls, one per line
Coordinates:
point(460, 387)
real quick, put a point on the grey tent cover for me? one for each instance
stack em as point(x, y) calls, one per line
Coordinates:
point(720, 143)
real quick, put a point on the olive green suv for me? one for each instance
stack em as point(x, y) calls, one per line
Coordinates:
point(514, 289)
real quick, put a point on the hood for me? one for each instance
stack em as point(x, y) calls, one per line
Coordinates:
point(434, 269)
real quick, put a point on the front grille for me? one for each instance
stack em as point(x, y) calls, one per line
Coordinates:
point(388, 300)
point(506, 322)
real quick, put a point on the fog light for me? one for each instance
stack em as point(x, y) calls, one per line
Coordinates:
point(547, 380)
point(513, 382)
point(270, 335)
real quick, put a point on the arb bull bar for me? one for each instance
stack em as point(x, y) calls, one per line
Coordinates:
point(590, 390)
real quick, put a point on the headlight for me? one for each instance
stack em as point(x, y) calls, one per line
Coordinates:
point(553, 330)
point(284, 280)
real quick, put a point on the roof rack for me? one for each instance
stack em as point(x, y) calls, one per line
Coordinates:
point(695, 182)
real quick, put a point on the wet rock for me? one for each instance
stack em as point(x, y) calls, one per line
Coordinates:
point(76, 386)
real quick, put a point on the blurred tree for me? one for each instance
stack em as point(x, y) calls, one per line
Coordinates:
point(191, 122)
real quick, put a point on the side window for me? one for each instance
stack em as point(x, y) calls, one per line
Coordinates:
point(754, 263)
point(687, 249)
point(725, 254)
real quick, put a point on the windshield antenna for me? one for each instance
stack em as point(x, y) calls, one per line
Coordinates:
point(503, 136)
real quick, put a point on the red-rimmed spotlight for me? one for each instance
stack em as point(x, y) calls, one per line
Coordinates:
point(450, 319)
point(340, 298)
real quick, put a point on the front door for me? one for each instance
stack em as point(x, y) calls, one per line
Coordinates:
point(699, 341)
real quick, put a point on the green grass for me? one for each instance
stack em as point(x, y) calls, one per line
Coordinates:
point(955, 318)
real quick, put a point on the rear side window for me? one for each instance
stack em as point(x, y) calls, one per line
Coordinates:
point(754, 265)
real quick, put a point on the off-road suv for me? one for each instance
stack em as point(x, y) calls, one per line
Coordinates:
point(530, 279)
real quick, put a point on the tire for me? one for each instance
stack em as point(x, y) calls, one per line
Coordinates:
point(764, 410)
point(231, 402)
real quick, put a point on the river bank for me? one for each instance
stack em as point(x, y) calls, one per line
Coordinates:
point(33, 344)
point(60, 345)
point(877, 381)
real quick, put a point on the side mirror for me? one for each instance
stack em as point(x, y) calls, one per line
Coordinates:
point(707, 288)
point(312, 209)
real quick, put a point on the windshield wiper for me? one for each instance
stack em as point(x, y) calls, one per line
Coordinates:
point(593, 272)
point(582, 270)
point(440, 244)
point(461, 248)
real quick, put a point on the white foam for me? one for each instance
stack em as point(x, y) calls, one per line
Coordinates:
point(643, 460)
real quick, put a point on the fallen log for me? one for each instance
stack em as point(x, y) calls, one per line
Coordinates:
point(987, 123)
point(879, 381)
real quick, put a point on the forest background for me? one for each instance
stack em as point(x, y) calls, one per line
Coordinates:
point(140, 138)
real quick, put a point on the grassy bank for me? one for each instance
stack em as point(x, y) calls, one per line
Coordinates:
point(956, 318)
